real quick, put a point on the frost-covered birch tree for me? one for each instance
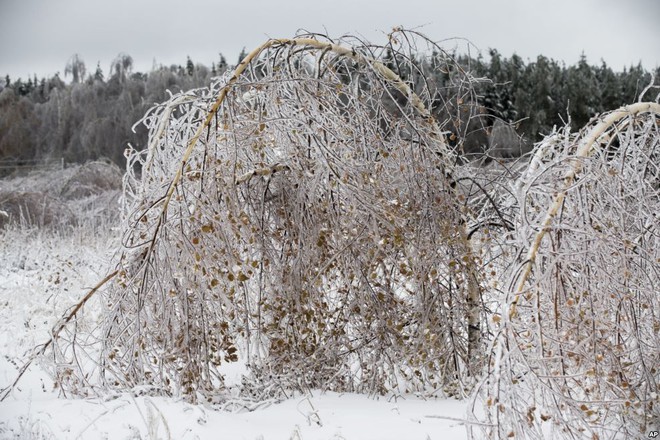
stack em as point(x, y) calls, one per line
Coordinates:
point(300, 215)
point(576, 350)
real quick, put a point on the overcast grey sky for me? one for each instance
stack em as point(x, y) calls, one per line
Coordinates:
point(39, 36)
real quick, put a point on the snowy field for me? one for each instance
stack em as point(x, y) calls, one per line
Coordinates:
point(44, 273)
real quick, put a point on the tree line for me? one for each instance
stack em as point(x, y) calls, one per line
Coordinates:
point(92, 116)
point(544, 93)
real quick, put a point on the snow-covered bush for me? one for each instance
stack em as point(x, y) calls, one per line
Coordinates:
point(92, 178)
point(32, 209)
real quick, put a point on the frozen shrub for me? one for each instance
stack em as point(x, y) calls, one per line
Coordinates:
point(32, 209)
point(503, 141)
point(91, 179)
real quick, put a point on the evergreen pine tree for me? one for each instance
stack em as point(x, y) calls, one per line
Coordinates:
point(533, 98)
point(499, 93)
point(190, 67)
point(42, 90)
point(633, 81)
point(222, 64)
point(583, 92)
point(388, 60)
point(241, 55)
point(610, 88)
point(98, 74)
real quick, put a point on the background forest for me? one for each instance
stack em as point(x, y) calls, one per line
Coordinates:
point(92, 116)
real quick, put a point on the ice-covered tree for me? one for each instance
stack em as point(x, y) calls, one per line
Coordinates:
point(76, 68)
point(288, 216)
point(121, 67)
point(576, 346)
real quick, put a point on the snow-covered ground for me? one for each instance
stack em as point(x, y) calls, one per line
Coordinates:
point(327, 416)
point(43, 274)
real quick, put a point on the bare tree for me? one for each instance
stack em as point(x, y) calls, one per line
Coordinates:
point(76, 68)
point(121, 67)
